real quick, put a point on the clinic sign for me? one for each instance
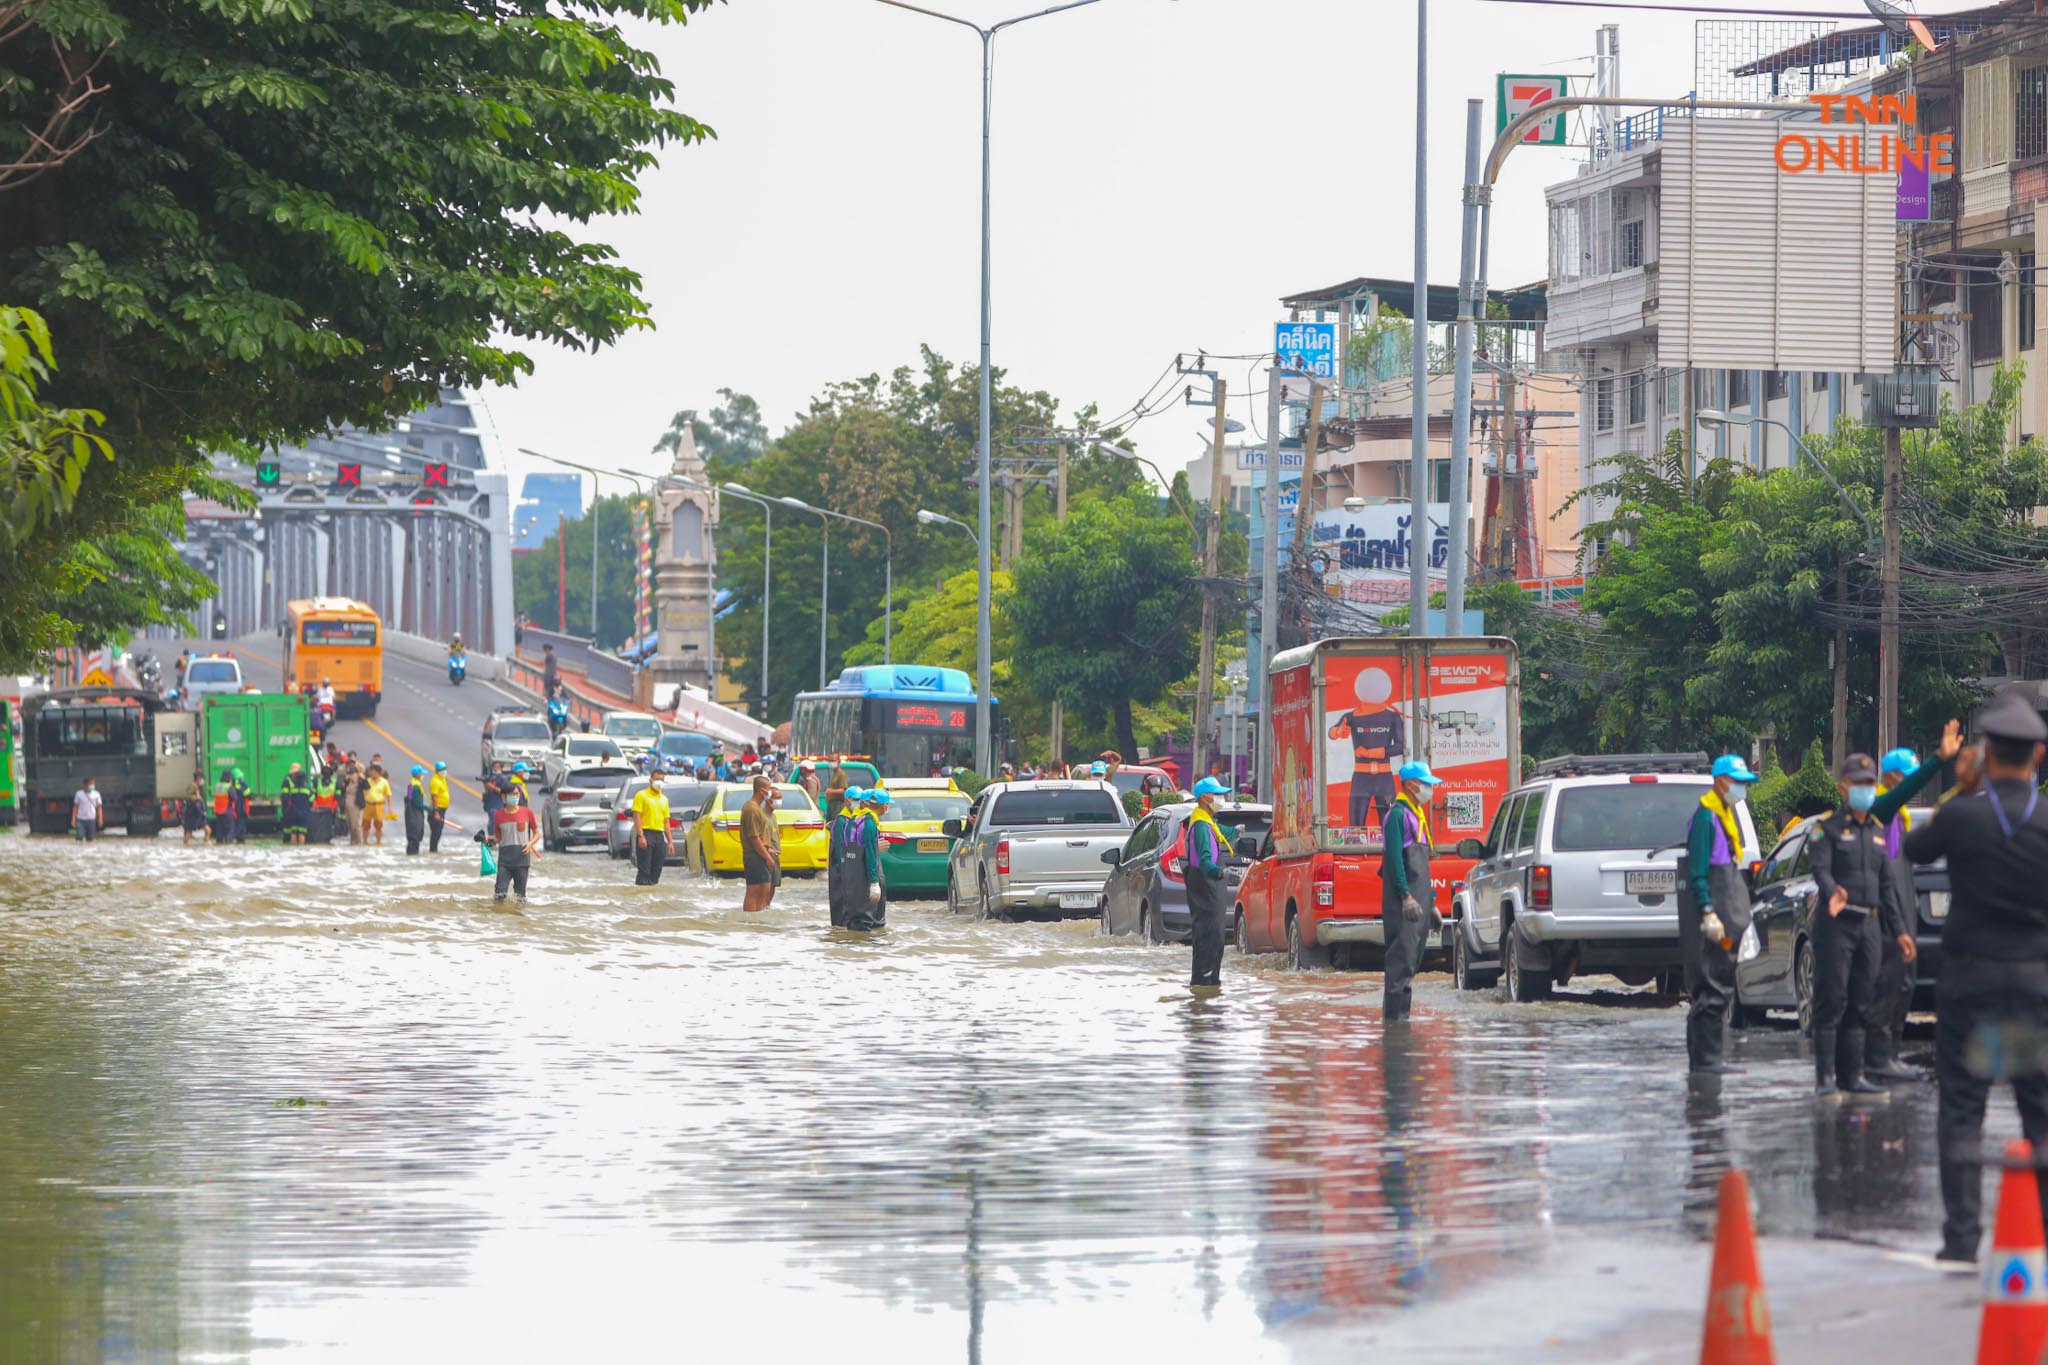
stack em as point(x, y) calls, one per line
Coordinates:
point(1307, 347)
point(1517, 95)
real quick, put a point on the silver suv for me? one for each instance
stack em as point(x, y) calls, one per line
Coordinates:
point(513, 734)
point(1579, 875)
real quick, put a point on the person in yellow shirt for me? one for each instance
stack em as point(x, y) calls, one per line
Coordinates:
point(437, 805)
point(376, 802)
point(650, 842)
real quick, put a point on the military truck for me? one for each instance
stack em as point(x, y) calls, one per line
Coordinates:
point(137, 752)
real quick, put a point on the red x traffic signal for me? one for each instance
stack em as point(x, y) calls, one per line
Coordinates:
point(434, 476)
point(348, 476)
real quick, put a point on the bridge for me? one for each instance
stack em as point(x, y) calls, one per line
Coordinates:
point(416, 521)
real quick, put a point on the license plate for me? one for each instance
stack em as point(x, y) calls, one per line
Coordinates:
point(931, 845)
point(1937, 905)
point(1658, 882)
point(1086, 902)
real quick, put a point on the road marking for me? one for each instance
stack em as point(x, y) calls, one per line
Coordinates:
point(399, 744)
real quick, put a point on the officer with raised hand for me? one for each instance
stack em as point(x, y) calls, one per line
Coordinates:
point(1992, 1000)
point(1407, 901)
point(1894, 993)
point(1852, 878)
point(1713, 910)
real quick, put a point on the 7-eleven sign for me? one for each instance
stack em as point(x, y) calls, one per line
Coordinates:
point(1517, 94)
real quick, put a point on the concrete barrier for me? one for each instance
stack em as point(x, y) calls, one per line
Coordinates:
point(434, 653)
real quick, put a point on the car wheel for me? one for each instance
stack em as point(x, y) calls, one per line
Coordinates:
point(988, 909)
point(1241, 932)
point(1671, 981)
point(1802, 985)
point(1306, 956)
point(1467, 975)
point(1102, 920)
point(952, 896)
point(1148, 931)
point(1525, 987)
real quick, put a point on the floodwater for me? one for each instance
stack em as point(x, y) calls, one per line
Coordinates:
point(330, 1104)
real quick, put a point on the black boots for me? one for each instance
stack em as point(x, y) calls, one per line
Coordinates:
point(1703, 1043)
point(1824, 1061)
point(1843, 1049)
point(1881, 1058)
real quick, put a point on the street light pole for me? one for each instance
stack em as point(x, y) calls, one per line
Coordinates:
point(824, 577)
point(1418, 424)
point(888, 564)
point(767, 571)
point(984, 749)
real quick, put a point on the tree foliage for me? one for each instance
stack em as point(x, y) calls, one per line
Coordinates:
point(728, 440)
point(1106, 610)
point(535, 575)
point(295, 216)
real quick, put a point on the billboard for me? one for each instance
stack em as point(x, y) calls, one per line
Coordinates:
point(1515, 95)
point(1766, 263)
point(1310, 347)
point(1361, 556)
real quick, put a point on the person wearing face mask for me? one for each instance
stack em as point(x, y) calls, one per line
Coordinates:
point(1407, 900)
point(1852, 876)
point(1713, 910)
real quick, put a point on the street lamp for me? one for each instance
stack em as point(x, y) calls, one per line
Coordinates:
point(555, 459)
point(1714, 417)
point(824, 578)
point(1109, 448)
point(940, 519)
point(746, 494)
point(984, 749)
point(888, 567)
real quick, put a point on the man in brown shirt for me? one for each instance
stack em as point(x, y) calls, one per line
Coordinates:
point(760, 846)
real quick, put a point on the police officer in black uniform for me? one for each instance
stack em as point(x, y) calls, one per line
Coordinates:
point(1852, 876)
point(1993, 995)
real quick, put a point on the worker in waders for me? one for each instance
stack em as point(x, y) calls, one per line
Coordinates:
point(870, 905)
point(1208, 893)
point(223, 807)
point(416, 809)
point(844, 866)
point(326, 807)
point(295, 805)
point(1407, 901)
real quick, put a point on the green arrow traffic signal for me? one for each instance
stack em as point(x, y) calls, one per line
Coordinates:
point(268, 474)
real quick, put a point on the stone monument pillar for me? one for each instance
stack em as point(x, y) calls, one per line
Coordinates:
point(684, 561)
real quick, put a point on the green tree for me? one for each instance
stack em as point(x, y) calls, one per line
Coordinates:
point(294, 216)
point(1106, 610)
point(535, 580)
point(61, 588)
point(728, 440)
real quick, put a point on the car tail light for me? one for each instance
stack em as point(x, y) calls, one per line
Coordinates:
point(623, 815)
point(1539, 887)
point(1324, 877)
point(725, 824)
point(1642, 777)
point(569, 794)
point(1002, 857)
point(673, 823)
point(894, 839)
point(1169, 866)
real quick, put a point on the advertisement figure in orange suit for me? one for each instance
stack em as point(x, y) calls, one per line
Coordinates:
point(1375, 730)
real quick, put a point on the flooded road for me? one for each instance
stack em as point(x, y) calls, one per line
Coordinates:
point(330, 1104)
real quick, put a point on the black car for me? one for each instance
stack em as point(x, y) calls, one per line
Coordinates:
point(1780, 977)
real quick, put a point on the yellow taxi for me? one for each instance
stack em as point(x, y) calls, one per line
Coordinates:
point(712, 842)
point(914, 847)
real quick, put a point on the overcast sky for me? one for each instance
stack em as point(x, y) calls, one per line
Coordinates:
point(1164, 171)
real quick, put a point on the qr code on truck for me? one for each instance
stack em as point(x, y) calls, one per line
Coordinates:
point(1465, 810)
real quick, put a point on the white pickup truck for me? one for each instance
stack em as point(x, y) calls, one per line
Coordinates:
point(1034, 846)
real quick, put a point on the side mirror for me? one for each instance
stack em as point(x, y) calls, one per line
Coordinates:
point(1470, 848)
point(1112, 856)
point(953, 829)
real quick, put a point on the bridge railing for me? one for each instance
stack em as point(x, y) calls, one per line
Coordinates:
point(602, 667)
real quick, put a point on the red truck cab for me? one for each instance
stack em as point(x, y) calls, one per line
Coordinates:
point(1342, 715)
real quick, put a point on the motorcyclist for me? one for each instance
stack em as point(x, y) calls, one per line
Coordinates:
point(558, 715)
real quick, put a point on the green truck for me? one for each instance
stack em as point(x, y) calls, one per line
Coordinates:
point(263, 734)
point(8, 784)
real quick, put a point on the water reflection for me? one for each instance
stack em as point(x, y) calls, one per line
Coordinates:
point(330, 1103)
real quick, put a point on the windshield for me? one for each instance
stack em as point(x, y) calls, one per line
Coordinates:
point(592, 746)
point(1071, 806)
point(1252, 822)
point(598, 777)
point(1637, 815)
point(634, 727)
point(521, 732)
point(793, 799)
point(681, 796)
point(213, 671)
point(928, 808)
point(687, 745)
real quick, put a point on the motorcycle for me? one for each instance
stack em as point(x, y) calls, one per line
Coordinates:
point(322, 722)
point(458, 668)
point(558, 717)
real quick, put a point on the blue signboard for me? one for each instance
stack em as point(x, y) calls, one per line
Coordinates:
point(1310, 347)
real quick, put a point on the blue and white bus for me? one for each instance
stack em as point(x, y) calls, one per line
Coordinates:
point(908, 719)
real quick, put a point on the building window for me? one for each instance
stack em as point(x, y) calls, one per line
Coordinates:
point(2030, 113)
point(1738, 388)
point(1820, 381)
point(1774, 384)
point(1987, 315)
point(1629, 246)
point(1439, 480)
point(1637, 399)
point(1674, 383)
point(1603, 405)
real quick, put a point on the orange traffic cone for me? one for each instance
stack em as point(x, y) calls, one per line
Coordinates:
point(1738, 1330)
point(2015, 1326)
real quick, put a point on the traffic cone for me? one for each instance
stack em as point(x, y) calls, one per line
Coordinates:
point(1738, 1328)
point(2015, 1326)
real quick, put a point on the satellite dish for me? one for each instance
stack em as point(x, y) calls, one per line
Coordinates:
point(1900, 22)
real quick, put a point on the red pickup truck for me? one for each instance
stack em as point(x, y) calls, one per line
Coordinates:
point(1342, 716)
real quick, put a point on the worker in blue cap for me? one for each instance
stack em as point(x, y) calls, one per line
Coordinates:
point(1713, 910)
point(1208, 893)
point(869, 905)
point(846, 874)
point(1408, 915)
point(416, 804)
point(1893, 995)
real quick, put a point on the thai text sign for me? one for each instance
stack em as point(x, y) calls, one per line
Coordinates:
point(1310, 347)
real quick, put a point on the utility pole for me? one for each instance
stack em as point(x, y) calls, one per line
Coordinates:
point(1269, 584)
point(1304, 502)
point(1058, 727)
point(1888, 620)
point(1510, 519)
point(1418, 397)
point(1471, 307)
point(1838, 734)
point(1205, 676)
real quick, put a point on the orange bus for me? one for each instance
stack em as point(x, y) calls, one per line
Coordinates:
point(340, 639)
